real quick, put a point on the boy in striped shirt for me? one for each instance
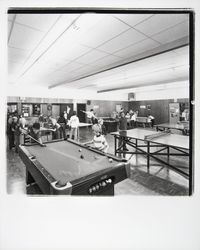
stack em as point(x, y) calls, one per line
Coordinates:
point(99, 141)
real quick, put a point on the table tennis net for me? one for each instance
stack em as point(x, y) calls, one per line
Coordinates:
point(156, 135)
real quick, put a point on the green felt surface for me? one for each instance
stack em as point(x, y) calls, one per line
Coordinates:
point(62, 160)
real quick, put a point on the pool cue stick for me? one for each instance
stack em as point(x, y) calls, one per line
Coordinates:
point(86, 143)
point(43, 145)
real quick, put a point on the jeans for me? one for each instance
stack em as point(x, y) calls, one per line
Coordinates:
point(74, 132)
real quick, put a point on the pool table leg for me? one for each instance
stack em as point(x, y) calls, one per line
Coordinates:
point(115, 145)
point(29, 178)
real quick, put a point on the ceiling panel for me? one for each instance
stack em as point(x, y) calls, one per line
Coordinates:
point(67, 51)
point(13, 67)
point(71, 67)
point(91, 56)
point(11, 17)
point(84, 70)
point(126, 39)
point(24, 38)
point(160, 22)
point(17, 55)
point(137, 48)
point(41, 22)
point(110, 60)
point(131, 19)
point(106, 29)
point(172, 34)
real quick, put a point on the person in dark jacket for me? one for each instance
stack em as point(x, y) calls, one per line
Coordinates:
point(122, 127)
point(62, 122)
point(15, 126)
point(10, 133)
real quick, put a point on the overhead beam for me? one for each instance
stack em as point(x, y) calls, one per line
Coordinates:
point(140, 85)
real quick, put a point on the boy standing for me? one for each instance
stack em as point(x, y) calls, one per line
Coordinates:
point(74, 123)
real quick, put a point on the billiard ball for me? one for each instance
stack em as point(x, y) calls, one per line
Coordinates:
point(110, 160)
point(82, 157)
point(80, 150)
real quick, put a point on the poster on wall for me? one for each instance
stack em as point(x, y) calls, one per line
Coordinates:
point(118, 107)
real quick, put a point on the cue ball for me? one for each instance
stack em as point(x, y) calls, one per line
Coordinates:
point(110, 160)
point(80, 150)
point(82, 157)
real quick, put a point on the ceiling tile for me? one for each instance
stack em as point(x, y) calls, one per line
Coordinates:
point(160, 22)
point(104, 30)
point(177, 32)
point(84, 70)
point(14, 67)
point(91, 56)
point(11, 17)
point(67, 51)
point(132, 19)
point(122, 41)
point(106, 61)
point(137, 48)
point(24, 38)
point(71, 67)
point(41, 22)
point(17, 55)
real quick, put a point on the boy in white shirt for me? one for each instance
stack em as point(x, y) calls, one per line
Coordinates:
point(74, 123)
point(151, 119)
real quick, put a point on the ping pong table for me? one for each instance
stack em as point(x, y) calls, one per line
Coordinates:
point(142, 121)
point(183, 127)
point(152, 144)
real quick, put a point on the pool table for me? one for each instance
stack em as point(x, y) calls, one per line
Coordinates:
point(67, 167)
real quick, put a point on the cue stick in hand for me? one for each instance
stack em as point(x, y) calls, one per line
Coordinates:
point(26, 133)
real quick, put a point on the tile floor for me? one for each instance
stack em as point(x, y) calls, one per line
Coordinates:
point(158, 182)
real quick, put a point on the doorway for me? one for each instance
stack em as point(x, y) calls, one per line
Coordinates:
point(68, 107)
point(81, 115)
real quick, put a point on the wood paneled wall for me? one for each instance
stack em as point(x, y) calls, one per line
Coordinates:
point(105, 108)
point(159, 108)
point(38, 100)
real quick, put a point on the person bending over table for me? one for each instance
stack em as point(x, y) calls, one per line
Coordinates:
point(99, 141)
point(55, 127)
point(34, 131)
